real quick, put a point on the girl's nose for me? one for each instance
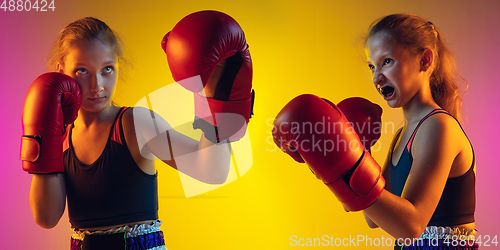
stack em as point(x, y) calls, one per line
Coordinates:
point(96, 85)
point(378, 78)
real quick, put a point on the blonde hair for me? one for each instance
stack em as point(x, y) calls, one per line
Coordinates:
point(86, 30)
point(417, 34)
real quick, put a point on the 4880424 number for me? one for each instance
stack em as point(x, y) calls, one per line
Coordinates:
point(480, 240)
point(27, 5)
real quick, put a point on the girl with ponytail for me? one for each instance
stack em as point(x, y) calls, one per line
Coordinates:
point(429, 201)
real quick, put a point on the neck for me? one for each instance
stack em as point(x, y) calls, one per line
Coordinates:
point(88, 118)
point(419, 106)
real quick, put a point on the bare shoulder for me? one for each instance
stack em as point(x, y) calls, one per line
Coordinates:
point(129, 128)
point(145, 120)
point(441, 120)
point(439, 129)
point(128, 122)
point(438, 143)
point(445, 134)
point(133, 113)
point(141, 125)
point(132, 120)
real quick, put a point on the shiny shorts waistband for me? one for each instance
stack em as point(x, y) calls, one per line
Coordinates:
point(139, 236)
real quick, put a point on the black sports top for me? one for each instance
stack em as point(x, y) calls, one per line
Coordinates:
point(458, 201)
point(113, 190)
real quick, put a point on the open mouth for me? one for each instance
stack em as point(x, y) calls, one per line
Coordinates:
point(386, 91)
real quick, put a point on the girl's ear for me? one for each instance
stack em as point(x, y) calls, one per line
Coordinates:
point(59, 68)
point(427, 59)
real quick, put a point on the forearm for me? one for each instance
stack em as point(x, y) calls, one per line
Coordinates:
point(47, 199)
point(397, 216)
point(213, 160)
point(202, 160)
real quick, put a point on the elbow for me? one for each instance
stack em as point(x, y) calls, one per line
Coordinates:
point(45, 221)
point(217, 176)
point(412, 232)
point(216, 180)
point(417, 231)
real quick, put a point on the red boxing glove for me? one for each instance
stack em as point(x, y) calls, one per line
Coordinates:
point(365, 118)
point(52, 102)
point(194, 47)
point(313, 130)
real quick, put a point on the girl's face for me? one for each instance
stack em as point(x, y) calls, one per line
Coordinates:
point(93, 66)
point(396, 72)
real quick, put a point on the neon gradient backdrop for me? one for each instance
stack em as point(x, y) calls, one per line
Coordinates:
point(297, 47)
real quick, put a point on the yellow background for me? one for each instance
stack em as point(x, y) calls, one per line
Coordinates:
point(296, 48)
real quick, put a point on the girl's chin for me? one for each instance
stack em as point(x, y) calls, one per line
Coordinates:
point(95, 107)
point(393, 104)
point(394, 101)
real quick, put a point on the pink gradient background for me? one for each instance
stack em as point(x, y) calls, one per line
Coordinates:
point(25, 39)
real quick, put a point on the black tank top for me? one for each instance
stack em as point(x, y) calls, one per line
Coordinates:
point(458, 201)
point(111, 191)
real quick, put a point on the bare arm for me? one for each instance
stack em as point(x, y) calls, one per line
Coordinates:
point(47, 199)
point(202, 160)
point(434, 150)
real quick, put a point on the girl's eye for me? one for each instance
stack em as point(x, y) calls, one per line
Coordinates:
point(387, 61)
point(372, 68)
point(108, 70)
point(82, 71)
